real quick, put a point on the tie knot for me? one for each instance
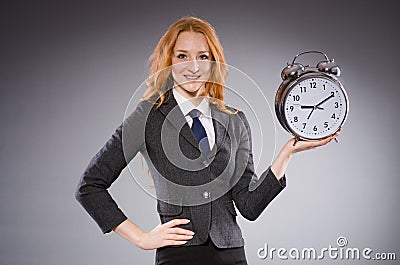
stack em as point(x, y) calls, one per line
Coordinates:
point(194, 113)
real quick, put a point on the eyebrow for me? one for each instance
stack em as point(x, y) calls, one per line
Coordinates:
point(180, 50)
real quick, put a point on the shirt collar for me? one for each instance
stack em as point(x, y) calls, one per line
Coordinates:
point(186, 105)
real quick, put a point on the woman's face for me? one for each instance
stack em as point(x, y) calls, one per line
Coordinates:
point(191, 64)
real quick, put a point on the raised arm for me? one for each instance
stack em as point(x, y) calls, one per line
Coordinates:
point(280, 163)
point(251, 193)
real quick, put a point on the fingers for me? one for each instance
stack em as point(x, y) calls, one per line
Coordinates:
point(327, 140)
point(172, 229)
point(176, 235)
point(181, 231)
point(177, 231)
point(174, 243)
point(304, 145)
point(167, 234)
point(176, 222)
point(332, 137)
point(323, 141)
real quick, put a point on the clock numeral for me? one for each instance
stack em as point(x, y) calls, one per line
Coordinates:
point(303, 89)
point(332, 94)
point(304, 125)
point(313, 84)
point(333, 116)
point(291, 108)
point(315, 128)
point(296, 98)
point(336, 105)
point(324, 86)
point(326, 125)
point(295, 119)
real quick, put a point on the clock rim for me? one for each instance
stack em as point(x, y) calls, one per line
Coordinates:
point(287, 86)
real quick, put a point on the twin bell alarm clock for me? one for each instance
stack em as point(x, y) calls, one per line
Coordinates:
point(311, 103)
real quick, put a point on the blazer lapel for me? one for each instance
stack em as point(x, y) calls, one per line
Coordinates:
point(174, 115)
point(221, 123)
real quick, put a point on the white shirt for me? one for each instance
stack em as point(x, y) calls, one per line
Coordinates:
point(205, 117)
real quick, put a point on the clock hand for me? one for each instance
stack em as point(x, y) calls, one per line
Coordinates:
point(311, 107)
point(307, 107)
point(325, 100)
point(309, 115)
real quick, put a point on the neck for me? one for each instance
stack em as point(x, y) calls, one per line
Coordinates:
point(194, 97)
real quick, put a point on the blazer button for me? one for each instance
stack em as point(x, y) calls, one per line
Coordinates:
point(206, 195)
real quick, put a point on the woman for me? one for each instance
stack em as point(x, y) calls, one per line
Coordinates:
point(198, 151)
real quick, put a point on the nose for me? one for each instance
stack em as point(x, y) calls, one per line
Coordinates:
point(193, 66)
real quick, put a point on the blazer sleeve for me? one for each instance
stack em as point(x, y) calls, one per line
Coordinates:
point(251, 193)
point(105, 167)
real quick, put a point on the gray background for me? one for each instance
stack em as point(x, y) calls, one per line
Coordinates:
point(68, 69)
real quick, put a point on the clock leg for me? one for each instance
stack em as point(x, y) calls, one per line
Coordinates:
point(296, 139)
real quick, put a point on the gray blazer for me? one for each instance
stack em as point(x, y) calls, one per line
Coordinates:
point(204, 188)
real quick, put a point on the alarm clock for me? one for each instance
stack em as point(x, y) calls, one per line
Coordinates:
point(311, 103)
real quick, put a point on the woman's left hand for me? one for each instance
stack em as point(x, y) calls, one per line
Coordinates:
point(291, 147)
point(304, 145)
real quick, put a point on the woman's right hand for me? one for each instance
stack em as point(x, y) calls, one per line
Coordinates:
point(166, 234)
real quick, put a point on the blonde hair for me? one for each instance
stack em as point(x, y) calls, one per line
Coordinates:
point(161, 60)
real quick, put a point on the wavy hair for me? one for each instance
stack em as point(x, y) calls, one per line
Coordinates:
point(161, 60)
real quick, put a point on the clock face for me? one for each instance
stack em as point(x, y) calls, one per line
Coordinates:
point(315, 107)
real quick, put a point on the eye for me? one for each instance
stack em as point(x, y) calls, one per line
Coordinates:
point(181, 56)
point(204, 57)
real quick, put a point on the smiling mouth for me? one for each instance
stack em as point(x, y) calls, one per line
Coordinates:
point(192, 77)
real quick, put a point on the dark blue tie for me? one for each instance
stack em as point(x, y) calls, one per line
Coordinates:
point(199, 131)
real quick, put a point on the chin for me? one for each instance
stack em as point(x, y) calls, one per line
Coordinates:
point(192, 87)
